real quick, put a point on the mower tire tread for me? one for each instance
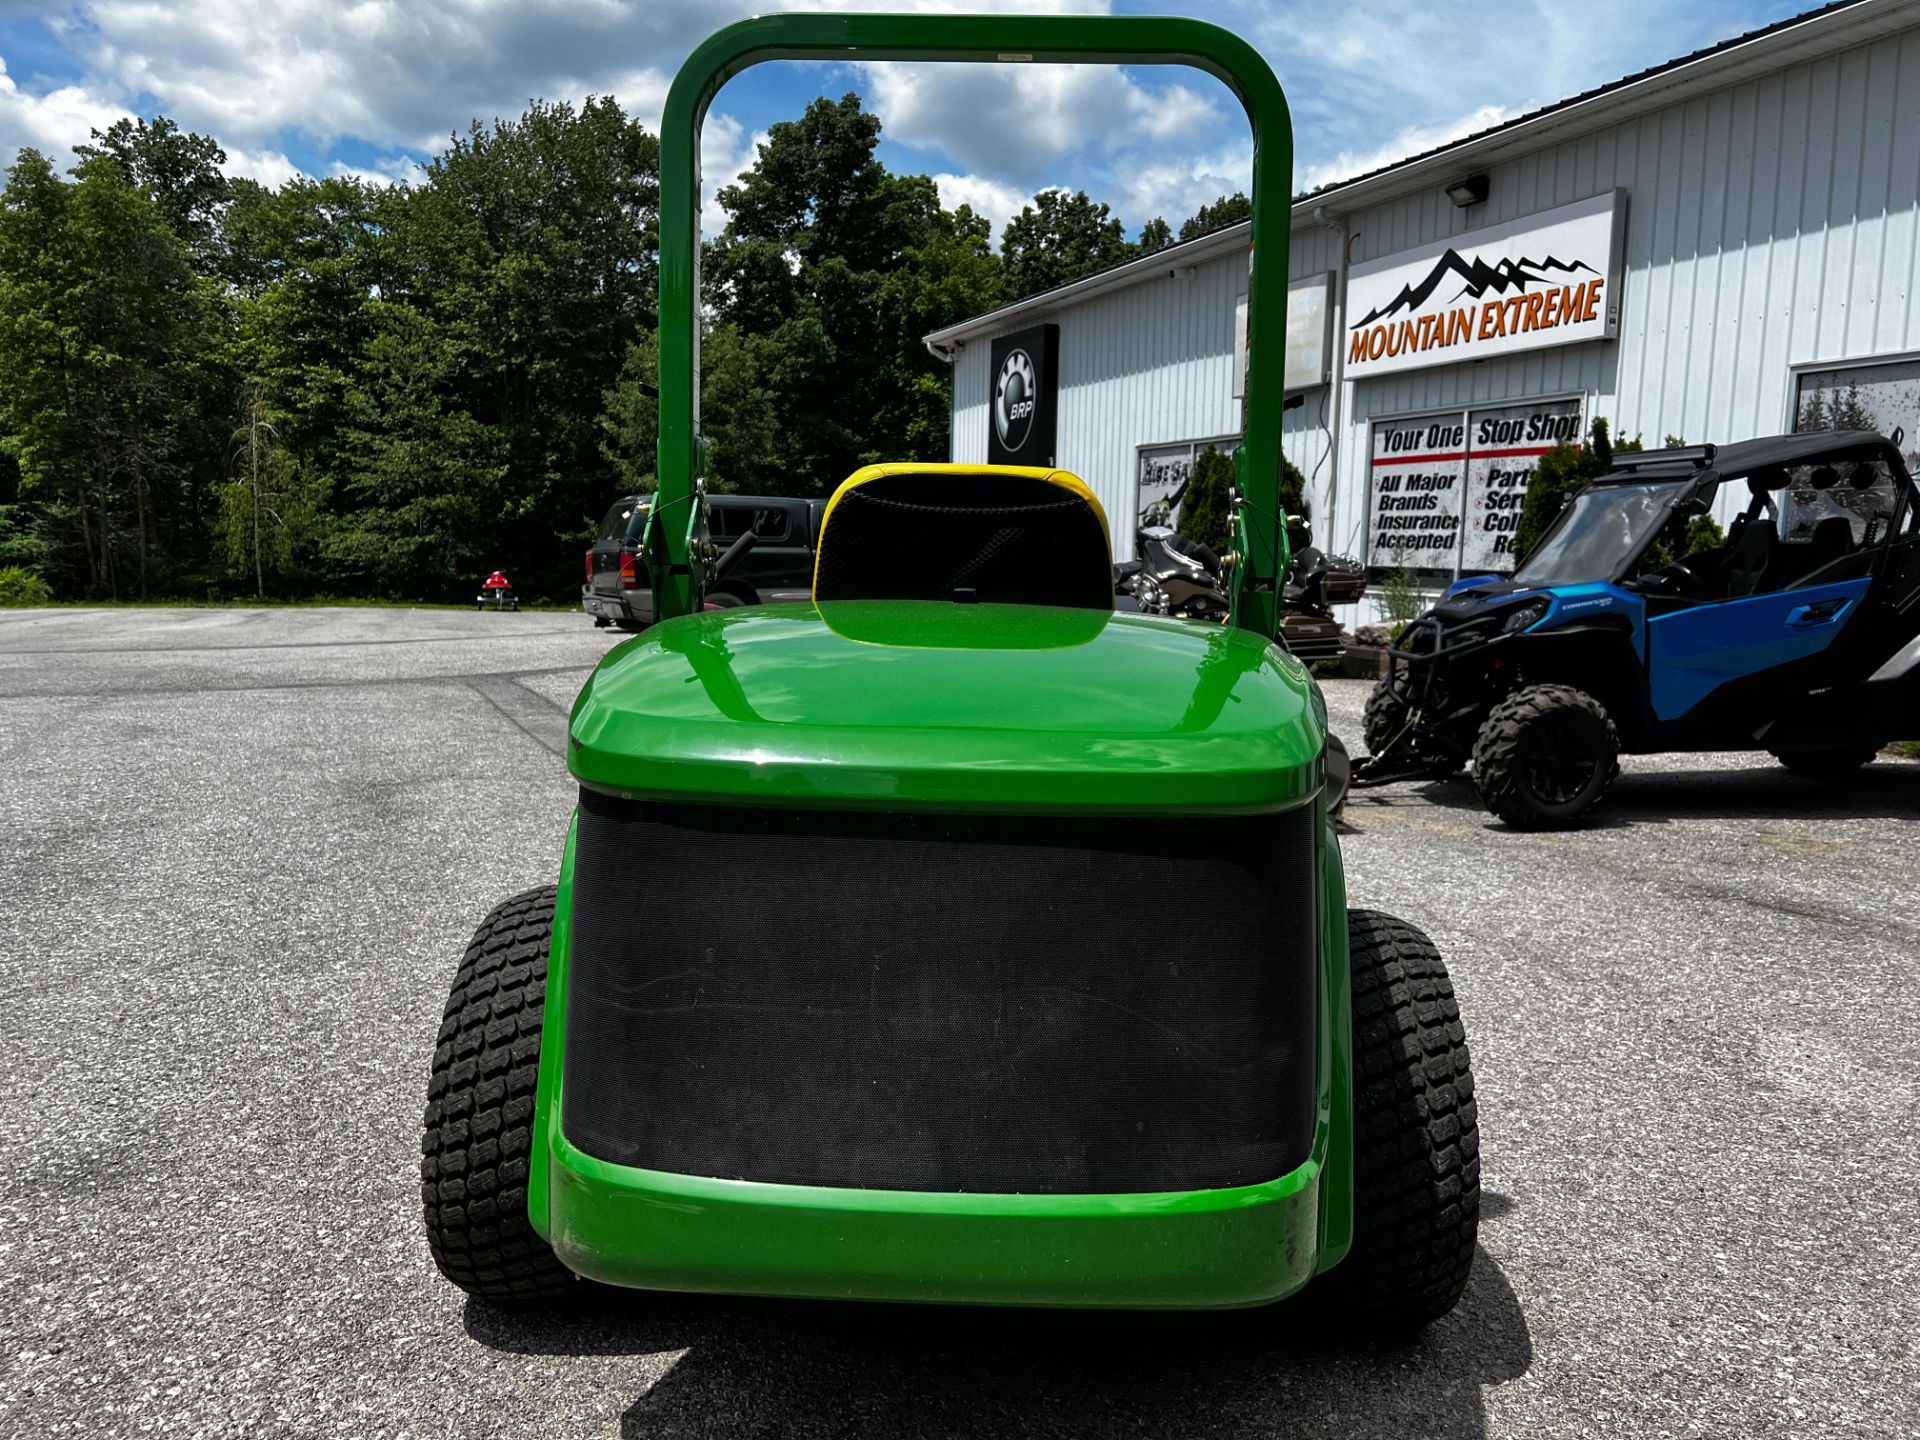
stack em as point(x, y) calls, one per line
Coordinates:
point(1416, 1135)
point(1499, 758)
point(479, 1122)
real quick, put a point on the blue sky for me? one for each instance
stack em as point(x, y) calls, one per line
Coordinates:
point(373, 86)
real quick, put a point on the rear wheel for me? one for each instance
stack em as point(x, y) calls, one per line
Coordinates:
point(1832, 760)
point(1545, 757)
point(479, 1122)
point(1416, 1136)
point(1384, 719)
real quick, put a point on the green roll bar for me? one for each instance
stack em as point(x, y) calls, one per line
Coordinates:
point(675, 543)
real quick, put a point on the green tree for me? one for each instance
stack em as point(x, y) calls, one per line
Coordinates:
point(1227, 210)
point(1057, 239)
point(307, 262)
point(178, 170)
point(1156, 234)
point(1206, 508)
point(426, 480)
point(819, 288)
point(511, 283)
point(268, 513)
point(1562, 473)
point(110, 353)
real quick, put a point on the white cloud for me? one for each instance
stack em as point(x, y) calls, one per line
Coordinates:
point(726, 152)
point(402, 73)
point(1368, 86)
point(269, 167)
point(997, 201)
point(391, 72)
point(642, 94)
point(1023, 122)
point(1177, 186)
point(399, 170)
point(1414, 140)
point(52, 123)
point(1171, 113)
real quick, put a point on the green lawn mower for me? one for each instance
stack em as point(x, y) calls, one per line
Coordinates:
point(923, 1039)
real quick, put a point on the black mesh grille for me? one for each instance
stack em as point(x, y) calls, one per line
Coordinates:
point(942, 1003)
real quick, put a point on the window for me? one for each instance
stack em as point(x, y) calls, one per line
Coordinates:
point(614, 524)
point(1883, 396)
point(1605, 529)
point(1161, 474)
point(729, 522)
point(1859, 492)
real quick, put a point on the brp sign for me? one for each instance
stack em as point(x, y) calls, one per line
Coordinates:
point(1024, 406)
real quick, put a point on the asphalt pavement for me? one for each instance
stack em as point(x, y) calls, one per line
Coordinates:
point(240, 853)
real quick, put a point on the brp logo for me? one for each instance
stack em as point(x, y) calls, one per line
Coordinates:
point(1014, 399)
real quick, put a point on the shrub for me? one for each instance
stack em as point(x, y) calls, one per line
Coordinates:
point(20, 588)
point(1204, 510)
point(1400, 594)
point(1562, 474)
point(1703, 533)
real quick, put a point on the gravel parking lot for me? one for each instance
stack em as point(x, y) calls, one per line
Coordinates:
point(240, 852)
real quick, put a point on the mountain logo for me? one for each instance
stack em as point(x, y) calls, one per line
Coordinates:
point(1478, 277)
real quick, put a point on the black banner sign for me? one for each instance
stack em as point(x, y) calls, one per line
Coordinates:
point(1023, 409)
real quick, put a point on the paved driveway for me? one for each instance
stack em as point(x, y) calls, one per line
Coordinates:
point(240, 852)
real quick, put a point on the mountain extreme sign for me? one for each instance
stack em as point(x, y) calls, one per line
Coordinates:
point(1546, 279)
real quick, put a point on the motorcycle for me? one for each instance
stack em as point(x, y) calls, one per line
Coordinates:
point(1176, 575)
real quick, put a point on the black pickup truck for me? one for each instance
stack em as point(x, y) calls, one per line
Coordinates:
point(779, 567)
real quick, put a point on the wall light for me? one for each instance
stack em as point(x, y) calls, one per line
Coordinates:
point(1470, 191)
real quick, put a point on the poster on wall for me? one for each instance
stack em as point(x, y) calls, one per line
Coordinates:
point(1161, 473)
point(1024, 415)
point(1539, 280)
point(1413, 513)
point(1504, 447)
point(1309, 336)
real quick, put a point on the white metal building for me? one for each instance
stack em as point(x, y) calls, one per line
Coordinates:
point(1696, 251)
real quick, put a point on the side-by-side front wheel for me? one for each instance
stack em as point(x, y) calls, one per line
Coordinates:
point(1834, 760)
point(1545, 757)
point(1416, 1137)
point(1384, 719)
point(479, 1123)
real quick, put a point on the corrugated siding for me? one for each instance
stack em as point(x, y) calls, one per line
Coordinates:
point(1147, 365)
point(1769, 225)
point(1772, 224)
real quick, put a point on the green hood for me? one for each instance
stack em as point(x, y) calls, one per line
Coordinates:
point(917, 705)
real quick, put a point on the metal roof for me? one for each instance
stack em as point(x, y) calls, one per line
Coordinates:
point(1773, 47)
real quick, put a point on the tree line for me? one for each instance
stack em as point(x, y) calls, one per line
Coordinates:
point(213, 388)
